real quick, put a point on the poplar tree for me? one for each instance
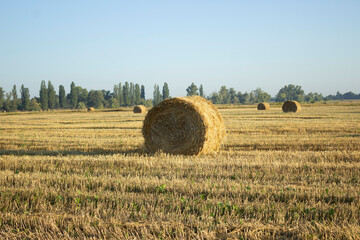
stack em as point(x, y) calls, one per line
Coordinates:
point(25, 98)
point(201, 91)
point(157, 95)
point(126, 94)
point(142, 92)
point(43, 96)
point(73, 95)
point(62, 96)
point(51, 96)
point(137, 94)
point(1, 97)
point(165, 91)
point(132, 94)
point(121, 95)
point(116, 92)
point(14, 99)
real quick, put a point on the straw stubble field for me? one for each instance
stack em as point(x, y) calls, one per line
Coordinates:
point(84, 175)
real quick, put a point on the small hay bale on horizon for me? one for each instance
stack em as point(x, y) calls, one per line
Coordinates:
point(184, 125)
point(263, 106)
point(291, 106)
point(139, 109)
point(91, 109)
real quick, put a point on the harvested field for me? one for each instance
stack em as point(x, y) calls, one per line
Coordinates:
point(68, 174)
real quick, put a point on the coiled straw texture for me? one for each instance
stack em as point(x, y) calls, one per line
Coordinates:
point(139, 109)
point(263, 106)
point(291, 106)
point(186, 125)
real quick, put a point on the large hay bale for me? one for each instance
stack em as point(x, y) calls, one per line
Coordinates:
point(263, 106)
point(139, 109)
point(186, 125)
point(91, 109)
point(291, 106)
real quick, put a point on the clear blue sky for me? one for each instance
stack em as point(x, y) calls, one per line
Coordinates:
point(240, 44)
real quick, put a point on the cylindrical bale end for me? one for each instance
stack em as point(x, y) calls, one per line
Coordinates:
point(139, 109)
point(263, 106)
point(186, 125)
point(291, 106)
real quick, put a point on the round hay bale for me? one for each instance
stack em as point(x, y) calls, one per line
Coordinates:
point(291, 106)
point(185, 125)
point(91, 109)
point(263, 106)
point(139, 109)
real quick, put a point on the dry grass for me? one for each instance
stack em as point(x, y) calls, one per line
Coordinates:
point(278, 176)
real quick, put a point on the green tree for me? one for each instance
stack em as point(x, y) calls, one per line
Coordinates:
point(318, 97)
point(157, 95)
point(132, 94)
point(137, 94)
point(244, 98)
point(232, 95)
point(81, 105)
point(1, 97)
point(51, 96)
point(43, 96)
point(310, 97)
point(82, 94)
point(14, 99)
point(290, 92)
point(113, 102)
point(117, 94)
point(25, 98)
point(192, 90)
point(7, 102)
point(34, 105)
point(142, 94)
point(252, 97)
point(96, 99)
point(261, 96)
point(201, 91)
point(62, 96)
point(224, 97)
point(121, 95)
point(165, 91)
point(214, 97)
point(313, 97)
point(126, 94)
point(73, 95)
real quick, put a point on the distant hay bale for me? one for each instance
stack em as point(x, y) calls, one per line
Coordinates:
point(91, 109)
point(263, 106)
point(291, 106)
point(185, 125)
point(139, 109)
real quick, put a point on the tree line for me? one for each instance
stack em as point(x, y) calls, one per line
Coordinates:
point(127, 94)
point(130, 94)
point(289, 92)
